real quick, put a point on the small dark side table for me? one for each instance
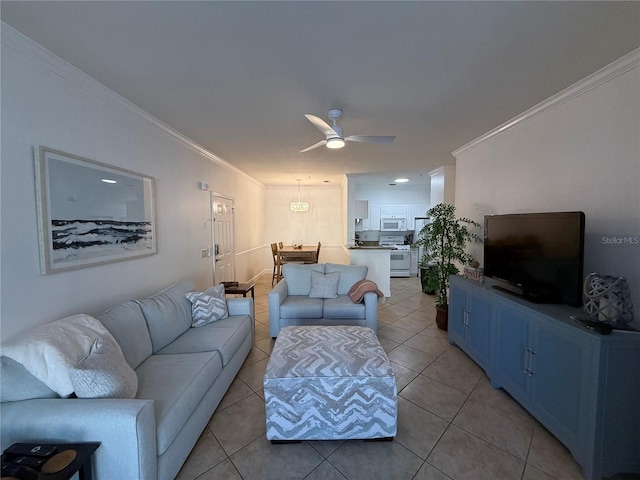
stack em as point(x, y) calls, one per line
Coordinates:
point(240, 289)
point(15, 465)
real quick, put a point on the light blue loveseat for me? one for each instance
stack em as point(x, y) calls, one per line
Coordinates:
point(182, 372)
point(290, 304)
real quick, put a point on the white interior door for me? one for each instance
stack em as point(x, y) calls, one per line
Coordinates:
point(223, 239)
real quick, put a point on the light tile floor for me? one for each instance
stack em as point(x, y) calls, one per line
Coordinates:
point(451, 423)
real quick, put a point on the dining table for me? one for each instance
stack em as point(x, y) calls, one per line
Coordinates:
point(302, 254)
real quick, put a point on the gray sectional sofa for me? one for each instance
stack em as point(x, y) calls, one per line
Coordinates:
point(182, 375)
point(292, 302)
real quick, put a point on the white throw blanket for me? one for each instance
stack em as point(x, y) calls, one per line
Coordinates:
point(49, 350)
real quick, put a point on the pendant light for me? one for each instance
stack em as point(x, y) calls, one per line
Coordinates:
point(299, 206)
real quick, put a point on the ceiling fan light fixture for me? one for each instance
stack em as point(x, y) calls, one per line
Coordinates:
point(334, 138)
point(335, 143)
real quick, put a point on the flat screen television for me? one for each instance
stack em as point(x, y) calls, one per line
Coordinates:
point(537, 255)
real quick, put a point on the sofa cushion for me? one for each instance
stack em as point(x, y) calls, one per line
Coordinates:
point(298, 277)
point(301, 307)
point(127, 325)
point(104, 373)
point(176, 384)
point(16, 383)
point(349, 274)
point(167, 313)
point(208, 306)
point(324, 285)
point(343, 307)
point(224, 336)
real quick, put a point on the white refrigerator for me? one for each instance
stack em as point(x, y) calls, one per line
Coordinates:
point(420, 222)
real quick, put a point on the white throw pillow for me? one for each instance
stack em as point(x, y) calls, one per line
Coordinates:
point(209, 306)
point(104, 373)
point(324, 285)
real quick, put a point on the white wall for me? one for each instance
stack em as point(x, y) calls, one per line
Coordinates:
point(443, 185)
point(324, 222)
point(578, 151)
point(47, 102)
point(401, 194)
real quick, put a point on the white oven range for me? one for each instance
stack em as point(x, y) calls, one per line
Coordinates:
point(400, 257)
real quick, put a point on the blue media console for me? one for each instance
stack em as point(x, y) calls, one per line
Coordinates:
point(584, 387)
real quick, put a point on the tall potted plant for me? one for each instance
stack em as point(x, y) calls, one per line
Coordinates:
point(444, 240)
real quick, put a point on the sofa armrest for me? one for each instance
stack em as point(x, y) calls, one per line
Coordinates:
point(243, 306)
point(277, 296)
point(371, 310)
point(125, 429)
point(240, 306)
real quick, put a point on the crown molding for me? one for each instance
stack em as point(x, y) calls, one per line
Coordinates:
point(23, 45)
point(611, 71)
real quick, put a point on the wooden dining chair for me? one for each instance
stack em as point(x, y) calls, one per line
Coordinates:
point(276, 265)
point(280, 245)
point(316, 256)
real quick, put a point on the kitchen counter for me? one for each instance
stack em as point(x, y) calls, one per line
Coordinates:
point(378, 260)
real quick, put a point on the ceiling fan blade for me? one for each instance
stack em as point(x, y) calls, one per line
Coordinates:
point(371, 138)
point(321, 125)
point(315, 145)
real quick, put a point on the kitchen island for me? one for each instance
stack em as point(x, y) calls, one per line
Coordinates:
point(379, 262)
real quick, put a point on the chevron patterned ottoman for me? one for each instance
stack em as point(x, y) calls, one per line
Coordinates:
point(329, 383)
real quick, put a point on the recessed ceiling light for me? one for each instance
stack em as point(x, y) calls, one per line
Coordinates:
point(108, 180)
point(401, 180)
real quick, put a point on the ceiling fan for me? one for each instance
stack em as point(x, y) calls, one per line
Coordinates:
point(334, 137)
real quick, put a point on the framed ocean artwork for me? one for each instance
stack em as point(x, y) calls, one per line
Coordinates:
point(91, 213)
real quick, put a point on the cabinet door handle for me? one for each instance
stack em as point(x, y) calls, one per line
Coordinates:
point(528, 361)
point(465, 322)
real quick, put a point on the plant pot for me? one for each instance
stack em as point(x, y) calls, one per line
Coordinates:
point(442, 317)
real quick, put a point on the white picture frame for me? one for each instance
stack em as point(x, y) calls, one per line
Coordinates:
point(91, 213)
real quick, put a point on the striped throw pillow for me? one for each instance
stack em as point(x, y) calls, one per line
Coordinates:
point(209, 306)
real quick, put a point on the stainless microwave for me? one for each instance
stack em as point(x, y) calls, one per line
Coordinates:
point(393, 224)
